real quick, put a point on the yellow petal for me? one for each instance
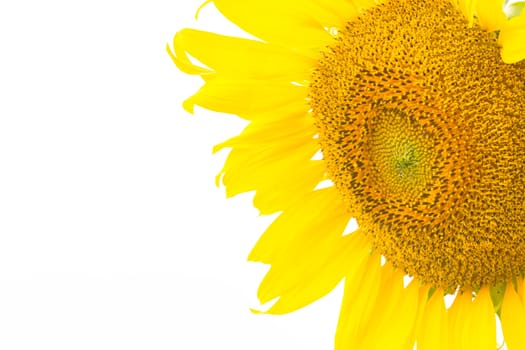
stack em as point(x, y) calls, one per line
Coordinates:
point(244, 58)
point(433, 331)
point(335, 13)
point(490, 14)
point(290, 23)
point(422, 302)
point(185, 65)
point(273, 158)
point(360, 296)
point(513, 319)
point(310, 275)
point(245, 96)
point(483, 327)
point(316, 217)
point(521, 289)
point(458, 318)
point(511, 39)
point(473, 323)
point(289, 130)
point(280, 172)
point(307, 251)
point(394, 315)
point(290, 110)
point(278, 195)
point(467, 7)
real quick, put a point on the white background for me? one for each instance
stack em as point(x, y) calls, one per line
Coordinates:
point(112, 232)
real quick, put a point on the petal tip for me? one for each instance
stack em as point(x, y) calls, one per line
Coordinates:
point(200, 9)
point(189, 106)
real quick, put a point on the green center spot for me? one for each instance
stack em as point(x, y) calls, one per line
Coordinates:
point(406, 165)
point(401, 154)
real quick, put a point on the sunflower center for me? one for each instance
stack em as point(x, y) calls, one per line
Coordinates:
point(398, 154)
point(421, 126)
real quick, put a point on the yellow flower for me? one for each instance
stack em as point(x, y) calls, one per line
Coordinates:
point(417, 107)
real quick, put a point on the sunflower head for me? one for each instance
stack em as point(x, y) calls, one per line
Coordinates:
point(417, 107)
point(422, 128)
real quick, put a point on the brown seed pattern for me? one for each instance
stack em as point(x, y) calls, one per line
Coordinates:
point(422, 127)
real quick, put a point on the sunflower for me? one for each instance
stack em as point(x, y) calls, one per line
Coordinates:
point(406, 116)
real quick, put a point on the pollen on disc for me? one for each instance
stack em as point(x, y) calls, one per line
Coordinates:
point(421, 126)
